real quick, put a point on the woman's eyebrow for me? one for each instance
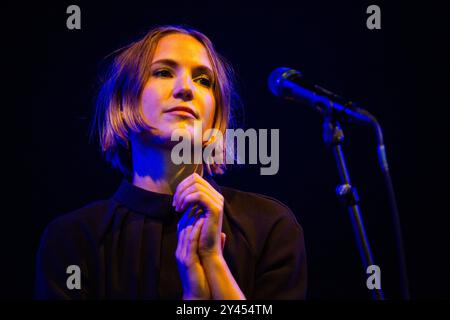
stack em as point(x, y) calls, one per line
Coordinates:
point(173, 64)
point(204, 69)
point(168, 62)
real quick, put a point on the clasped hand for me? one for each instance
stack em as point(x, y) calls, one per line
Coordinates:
point(199, 233)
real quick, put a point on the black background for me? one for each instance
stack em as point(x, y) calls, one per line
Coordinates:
point(399, 73)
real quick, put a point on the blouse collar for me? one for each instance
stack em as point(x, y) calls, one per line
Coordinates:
point(153, 204)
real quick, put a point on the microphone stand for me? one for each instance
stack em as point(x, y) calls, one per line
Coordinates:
point(289, 84)
point(382, 159)
point(334, 137)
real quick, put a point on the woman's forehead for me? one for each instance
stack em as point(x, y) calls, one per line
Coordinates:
point(182, 48)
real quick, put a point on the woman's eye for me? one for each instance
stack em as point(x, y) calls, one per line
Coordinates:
point(205, 81)
point(162, 73)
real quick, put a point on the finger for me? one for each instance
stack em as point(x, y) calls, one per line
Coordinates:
point(191, 212)
point(180, 244)
point(192, 179)
point(185, 219)
point(194, 238)
point(216, 198)
point(202, 198)
point(185, 241)
point(183, 185)
point(182, 223)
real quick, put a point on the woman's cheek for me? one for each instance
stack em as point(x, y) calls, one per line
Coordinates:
point(152, 103)
point(209, 113)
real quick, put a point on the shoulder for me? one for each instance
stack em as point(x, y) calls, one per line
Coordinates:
point(259, 219)
point(265, 225)
point(258, 206)
point(83, 224)
point(68, 240)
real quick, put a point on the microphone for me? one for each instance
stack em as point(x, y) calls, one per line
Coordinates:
point(290, 84)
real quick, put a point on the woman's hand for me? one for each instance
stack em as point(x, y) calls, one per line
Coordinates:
point(193, 278)
point(205, 264)
point(193, 193)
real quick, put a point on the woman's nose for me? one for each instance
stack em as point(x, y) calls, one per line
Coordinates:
point(183, 88)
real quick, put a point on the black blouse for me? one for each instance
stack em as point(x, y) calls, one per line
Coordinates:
point(125, 248)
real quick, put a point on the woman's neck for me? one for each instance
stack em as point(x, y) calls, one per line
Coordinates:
point(154, 170)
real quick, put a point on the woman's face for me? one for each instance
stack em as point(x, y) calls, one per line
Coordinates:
point(179, 90)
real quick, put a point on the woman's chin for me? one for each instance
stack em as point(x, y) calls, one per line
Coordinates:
point(180, 128)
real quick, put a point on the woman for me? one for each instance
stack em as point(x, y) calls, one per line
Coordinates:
point(170, 232)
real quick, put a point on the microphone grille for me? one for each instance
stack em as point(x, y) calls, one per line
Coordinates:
point(276, 77)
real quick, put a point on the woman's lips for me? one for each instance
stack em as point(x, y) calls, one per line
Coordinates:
point(182, 111)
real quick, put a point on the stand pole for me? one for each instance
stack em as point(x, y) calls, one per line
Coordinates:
point(334, 137)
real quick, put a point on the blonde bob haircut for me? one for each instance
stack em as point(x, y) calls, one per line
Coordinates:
point(118, 112)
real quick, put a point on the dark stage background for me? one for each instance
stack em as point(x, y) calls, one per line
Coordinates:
point(399, 73)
